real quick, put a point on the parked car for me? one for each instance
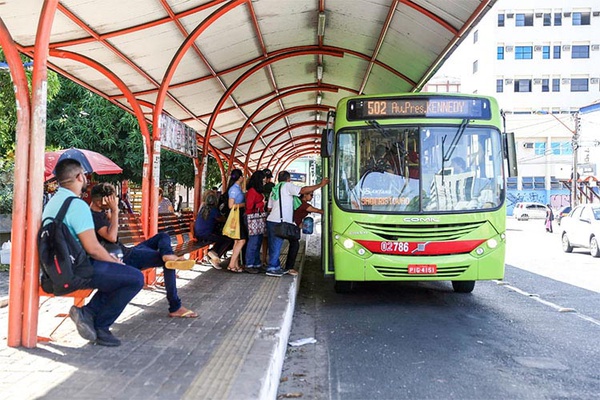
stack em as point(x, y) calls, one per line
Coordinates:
point(525, 210)
point(562, 212)
point(581, 228)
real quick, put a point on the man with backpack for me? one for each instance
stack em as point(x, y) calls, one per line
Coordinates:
point(116, 282)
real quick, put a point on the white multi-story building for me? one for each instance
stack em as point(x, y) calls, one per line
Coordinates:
point(540, 59)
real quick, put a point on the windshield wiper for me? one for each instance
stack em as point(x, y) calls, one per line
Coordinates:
point(455, 140)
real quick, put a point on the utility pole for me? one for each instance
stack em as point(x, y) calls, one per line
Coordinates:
point(575, 144)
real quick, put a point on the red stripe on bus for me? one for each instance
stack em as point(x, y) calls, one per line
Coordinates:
point(420, 248)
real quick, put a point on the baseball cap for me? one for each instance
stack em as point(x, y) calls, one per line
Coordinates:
point(268, 173)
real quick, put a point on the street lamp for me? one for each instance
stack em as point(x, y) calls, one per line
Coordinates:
point(575, 145)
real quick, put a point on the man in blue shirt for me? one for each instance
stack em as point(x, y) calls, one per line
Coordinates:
point(116, 282)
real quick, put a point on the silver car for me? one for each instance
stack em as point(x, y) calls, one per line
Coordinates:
point(526, 210)
point(581, 228)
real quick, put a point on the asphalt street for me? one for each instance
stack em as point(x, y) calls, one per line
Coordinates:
point(532, 336)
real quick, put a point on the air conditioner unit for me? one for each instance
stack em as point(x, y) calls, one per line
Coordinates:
point(567, 15)
point(565, 80)
point(508, 81)
point(596, 13)
point(508, 49)
point(510, 15)
point(537, 81)
point(595, 47)
point(595, 81)
point(528, 145)
point(538, 15)
point(537, 48)
point(566, 47)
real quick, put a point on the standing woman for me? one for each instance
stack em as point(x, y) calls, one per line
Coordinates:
point(237, 200)
point(255, 203)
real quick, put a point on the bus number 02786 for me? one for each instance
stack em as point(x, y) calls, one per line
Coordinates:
point(391, 247)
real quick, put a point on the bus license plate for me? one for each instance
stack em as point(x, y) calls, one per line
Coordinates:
point(422, 269)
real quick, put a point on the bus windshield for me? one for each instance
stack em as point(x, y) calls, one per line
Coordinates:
point(418, 169)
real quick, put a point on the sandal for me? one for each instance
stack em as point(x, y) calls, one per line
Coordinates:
point(237, 270)
point(183, 313)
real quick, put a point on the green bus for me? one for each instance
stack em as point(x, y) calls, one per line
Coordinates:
point(418, 183)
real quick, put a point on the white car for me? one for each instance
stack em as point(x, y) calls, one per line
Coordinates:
point(581, 228)
point(524, 211)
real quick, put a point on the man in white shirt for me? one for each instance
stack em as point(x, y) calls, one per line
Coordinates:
point(287, 190)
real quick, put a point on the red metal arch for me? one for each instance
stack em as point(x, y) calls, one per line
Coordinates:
point(285, 130)
point(286, 149)
point(267, 104)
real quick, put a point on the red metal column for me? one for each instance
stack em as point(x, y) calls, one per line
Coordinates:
point(19, 216)
point(36, 171)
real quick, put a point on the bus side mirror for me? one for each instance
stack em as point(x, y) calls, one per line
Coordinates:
point(510, 153)
point(326, 143)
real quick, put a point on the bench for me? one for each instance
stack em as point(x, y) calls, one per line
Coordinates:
point(179, 228)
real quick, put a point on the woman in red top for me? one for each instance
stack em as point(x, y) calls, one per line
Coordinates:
point(255, 203)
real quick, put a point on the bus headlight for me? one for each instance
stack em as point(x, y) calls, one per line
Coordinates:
point(492, 243)
point(348, 243)
point(479, 251)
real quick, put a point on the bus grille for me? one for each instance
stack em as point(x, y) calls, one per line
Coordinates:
point(402, 271)
point(434, 232)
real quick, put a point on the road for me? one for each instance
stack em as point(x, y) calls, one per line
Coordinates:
point(532, 336)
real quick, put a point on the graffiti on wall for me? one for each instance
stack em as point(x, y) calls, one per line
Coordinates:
point(557, 198)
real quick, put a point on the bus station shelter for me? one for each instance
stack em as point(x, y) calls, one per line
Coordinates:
point(249, 82)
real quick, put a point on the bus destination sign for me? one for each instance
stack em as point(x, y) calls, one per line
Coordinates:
point(419, 107)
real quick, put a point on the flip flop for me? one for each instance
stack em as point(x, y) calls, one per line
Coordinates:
point(185, 314)
point(181, 264)
point(235, 270)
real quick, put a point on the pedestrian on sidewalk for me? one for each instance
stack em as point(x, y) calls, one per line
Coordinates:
point(151, 253)
point(255, 215)
point(116, 282)
point(549, 218)
point(287, 190)
point(237, 199)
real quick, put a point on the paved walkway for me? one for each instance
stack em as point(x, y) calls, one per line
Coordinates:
point(234, 350)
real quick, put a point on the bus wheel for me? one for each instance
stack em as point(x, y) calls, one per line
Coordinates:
point(463, 286)
point(343, 286)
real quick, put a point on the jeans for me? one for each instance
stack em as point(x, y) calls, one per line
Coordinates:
point(292, 254)
point(117, 284)
point(148, 254)
point(275, 243)
point(253, 251)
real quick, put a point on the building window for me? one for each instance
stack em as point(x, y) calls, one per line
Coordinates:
point(546, 52)
point(556, 52)
point(557, 19)
point(475, 66)
point(522, 85)
point(527, 182)
point(475, 36)
point(580, 52)
point(500, 19)
point(523, 52)
point(545, 85)
point(511, 182)
point(579, 84)
point(524, 20)
point(581, 18)
point(499, 85)
point(500, 53)
point(547, 19)
point(556, 148)
point(555, 84)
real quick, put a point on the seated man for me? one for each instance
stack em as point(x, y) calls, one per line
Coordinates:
point(154, 252)
point(115, 289)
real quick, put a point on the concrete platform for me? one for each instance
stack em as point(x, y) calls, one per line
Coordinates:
point(234, 350)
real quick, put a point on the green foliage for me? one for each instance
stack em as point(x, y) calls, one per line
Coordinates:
point(7, 166)
point(213, 174)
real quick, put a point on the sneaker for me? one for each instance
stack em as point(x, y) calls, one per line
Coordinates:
point(276, 272)
point(211, 254)
point(84, 323)
point(251, 270)
point(106, 338)
point(216, 262)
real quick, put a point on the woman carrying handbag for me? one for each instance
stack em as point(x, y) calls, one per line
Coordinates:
point(256, 221)
point(237, 203)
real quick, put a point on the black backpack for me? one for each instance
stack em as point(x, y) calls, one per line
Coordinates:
point(65, 266)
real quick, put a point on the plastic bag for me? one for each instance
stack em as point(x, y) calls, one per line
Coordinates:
point(232, 225)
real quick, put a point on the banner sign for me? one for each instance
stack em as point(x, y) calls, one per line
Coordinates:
point(177, 136)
